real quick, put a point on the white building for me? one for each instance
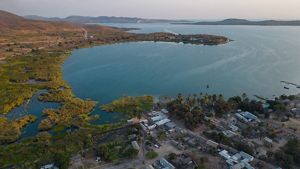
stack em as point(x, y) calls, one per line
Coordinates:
point(135, 145)
point(158, 118)
point(237, 161)
point(166, 164)
point(162, 122)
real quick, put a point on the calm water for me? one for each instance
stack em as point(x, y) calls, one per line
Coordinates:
point(255, 63)
point(34, 107)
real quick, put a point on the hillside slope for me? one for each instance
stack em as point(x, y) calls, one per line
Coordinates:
point(14, 23)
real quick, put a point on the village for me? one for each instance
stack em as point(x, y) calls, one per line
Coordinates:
point(236, 141)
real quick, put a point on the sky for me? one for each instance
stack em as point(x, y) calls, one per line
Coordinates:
point(159, 9)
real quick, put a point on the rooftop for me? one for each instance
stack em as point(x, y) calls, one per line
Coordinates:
point(162, 122)
point(135, 145)
point(166, 164)
point(238, 160)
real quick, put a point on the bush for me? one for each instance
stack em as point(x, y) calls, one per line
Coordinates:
point(151, 154)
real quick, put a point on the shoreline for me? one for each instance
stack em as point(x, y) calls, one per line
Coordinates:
point(66, 98)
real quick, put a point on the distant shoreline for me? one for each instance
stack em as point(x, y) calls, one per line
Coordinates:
point(243, 22)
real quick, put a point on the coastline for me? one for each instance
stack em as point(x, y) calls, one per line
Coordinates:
point(66, 96)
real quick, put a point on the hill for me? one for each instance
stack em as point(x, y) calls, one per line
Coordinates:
point(103, 19)
point(247, 22)
point(15, 28)
point(13, 23)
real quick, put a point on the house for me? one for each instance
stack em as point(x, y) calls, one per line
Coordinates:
point(162, 122)
point(191, 142)
point(268, 142)
point(170, 125)
point(178, 145)
point(152, 127)
point(166, 164)
point(246, 157)
point(49, 166)
point(247, 117)
point(158, 117)
point(143, 127)
point(153, 113)
point(229, 133)
point(224, 154)
point(295, 112)
point(135, 145)
point(237, 161)
point(165, 111)
point(237, 166)
point(212, 143)
point(233, 128)
point(149, 167)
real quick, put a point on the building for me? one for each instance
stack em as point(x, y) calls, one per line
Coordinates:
point(178, 145)
point(143, 127)
point(268, 142)
point(237, 161)
point(158, 117)
point(295, 112)
point(152, 127)
point(166, 164)
point(49, 166)
point(135, 145)
point(153, 113)
point(149, 167)
point(212, 143)
point(170, 125)
point(247, 117)
point(224, 154)
point(233, 128)
point(165, 111)
point(229, 133)
point(162, 122)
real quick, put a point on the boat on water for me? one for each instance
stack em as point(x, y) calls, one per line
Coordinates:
point(286, 88)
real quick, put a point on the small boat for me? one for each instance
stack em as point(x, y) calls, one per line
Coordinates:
point(207, 86)
point(286, 88)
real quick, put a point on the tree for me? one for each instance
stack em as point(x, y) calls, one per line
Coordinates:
point(221, 107)
point(62, 160)
point(151, 154)
point(289, 155)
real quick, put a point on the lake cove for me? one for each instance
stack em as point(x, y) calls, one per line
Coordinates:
point(254, 63)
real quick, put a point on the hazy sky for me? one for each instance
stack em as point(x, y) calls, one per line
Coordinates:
point(174, 9)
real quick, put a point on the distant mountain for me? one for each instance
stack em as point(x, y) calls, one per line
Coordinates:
point(247, 22)
point(103, 19)
point(36, 17)
point(11, 25)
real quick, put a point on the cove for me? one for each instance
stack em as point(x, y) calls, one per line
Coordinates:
point(254, 63)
